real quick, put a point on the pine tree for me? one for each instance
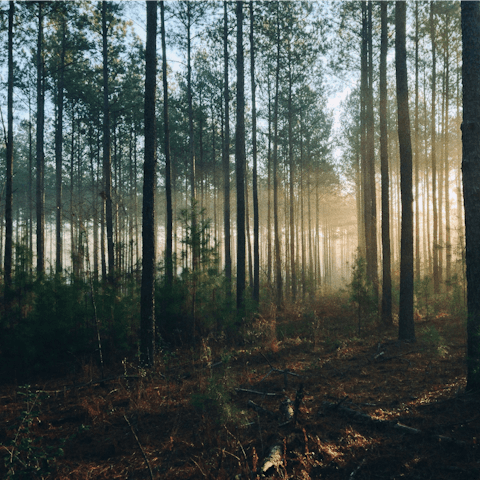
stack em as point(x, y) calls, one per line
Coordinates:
point(406, 326)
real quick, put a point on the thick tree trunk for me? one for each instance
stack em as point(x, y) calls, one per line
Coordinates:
point(471, 181)
point(147, 325)
point(406, 330)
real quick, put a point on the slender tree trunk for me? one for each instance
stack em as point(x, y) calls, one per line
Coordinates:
point(95, 207)
point(107, 161)
point(73, 243)
point(168, 168)
point(256, 228)
point(436, 270)
point(240, 164)
point(363, 147)
point(386, 264)
point(448, 240)
point(417, 156)
point(30, 181)
point(406, 326)
point(278, 265)
point(40, 192)
point(193, 195)
point(9, 172)
point(269, 187)
point(147, 322)
point(226, 161)
point(59, 152)
point(247, 229)
point(291, 171)
point(371, 204)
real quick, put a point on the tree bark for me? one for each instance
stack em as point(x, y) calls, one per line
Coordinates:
point(291, 176)
point(240, 164)
point(406, 326)
point(168, 168)
point(59, 152)
point(435, 247)
point(256, 228)
point(417, 156)
point(386, 264)
point(226, 161)
point(147, 326)
point(470, 14)
point(278, 265)
point(9, 172)
point(371, 203)
point(40, 192)
point(107, 161)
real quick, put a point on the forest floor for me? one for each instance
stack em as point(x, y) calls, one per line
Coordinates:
point(369, 408)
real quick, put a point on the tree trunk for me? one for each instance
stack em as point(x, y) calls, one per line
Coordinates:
point(448, 241)
point(226, 161)
point(147, 325)
point(193, 195)
point(406, 326)
point(59, 152)
point(278, 265)
point(386, 264)
point(371, 204)
point(40, 192)
point(107, 161)
point(471, 181)
point(417, 156)
point(168, 174)
point(9, 173)
point(256, 228)
point(291, 171)
point(435, 247)
point(240, 164)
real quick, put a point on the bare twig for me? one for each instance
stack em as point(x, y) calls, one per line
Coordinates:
point(199, 467)
point(140, 446)
point(276, 370)
point(256, 392)
point(243, 451)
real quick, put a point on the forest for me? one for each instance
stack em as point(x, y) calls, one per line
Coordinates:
point(239, 239)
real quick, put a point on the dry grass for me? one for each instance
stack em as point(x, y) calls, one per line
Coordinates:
point(191, 422)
